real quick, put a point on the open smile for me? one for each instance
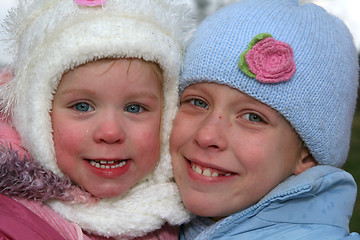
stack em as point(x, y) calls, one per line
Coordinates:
point(109, 168)
point(208, 172)
point(102, 164)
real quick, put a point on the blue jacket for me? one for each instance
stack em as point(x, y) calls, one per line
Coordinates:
point(316, 204)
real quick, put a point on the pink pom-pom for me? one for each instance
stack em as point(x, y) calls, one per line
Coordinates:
point(271, 61)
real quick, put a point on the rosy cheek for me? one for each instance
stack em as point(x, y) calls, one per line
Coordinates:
point(67, 147)
point(66, 139)
point(151, 135)
point(148, 134)
point(151, 141)
point(154, 146)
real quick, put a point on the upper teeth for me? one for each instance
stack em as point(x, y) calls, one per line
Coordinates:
point(206, 172)
point(101, 164)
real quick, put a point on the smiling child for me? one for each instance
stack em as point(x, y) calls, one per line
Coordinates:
point(91, 92)
point(268, 93)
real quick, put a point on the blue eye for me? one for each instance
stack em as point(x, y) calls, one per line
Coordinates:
point(83, 107)
point(134, 108)
point(252, 117)
point(199, 103)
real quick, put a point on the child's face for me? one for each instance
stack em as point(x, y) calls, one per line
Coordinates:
point(106, 119)
point(229, 150)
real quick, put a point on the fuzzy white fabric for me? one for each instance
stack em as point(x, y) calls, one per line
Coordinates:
point(142, 210)
point(50, 37)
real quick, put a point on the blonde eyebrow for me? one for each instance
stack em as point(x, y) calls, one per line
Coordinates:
point(76, 90)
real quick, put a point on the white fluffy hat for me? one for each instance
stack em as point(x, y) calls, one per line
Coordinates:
point(53, 36)
point(50, 37)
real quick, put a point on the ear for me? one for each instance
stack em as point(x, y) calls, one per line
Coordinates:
point(305, 161)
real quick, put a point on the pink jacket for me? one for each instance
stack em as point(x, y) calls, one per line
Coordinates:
point(18, 222)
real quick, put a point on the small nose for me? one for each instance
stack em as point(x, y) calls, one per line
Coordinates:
point(109, 129)
point(211, 134)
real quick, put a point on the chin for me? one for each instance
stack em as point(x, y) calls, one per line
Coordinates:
point(198, 207)
point(108, 193)
point(205, 208)
point(204, 212)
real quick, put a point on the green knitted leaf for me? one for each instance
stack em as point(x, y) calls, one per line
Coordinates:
point(242, 62)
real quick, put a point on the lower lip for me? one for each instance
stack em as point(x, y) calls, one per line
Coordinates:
point(109, 173)
point(205, 179)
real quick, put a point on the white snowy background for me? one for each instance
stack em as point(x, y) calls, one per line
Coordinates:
point(347, 10)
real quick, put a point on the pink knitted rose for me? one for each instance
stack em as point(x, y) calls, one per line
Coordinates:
point(268, 60)
point(91, 3)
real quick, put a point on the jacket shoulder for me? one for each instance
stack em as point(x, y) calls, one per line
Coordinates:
point(17, 223)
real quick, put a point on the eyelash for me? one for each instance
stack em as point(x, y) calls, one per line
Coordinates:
point(193, 102)
point(258, 118)
point(199, 101)
point(141, 107)
point(74, 106)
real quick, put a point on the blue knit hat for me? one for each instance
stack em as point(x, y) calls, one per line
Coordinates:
point(318, 98)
